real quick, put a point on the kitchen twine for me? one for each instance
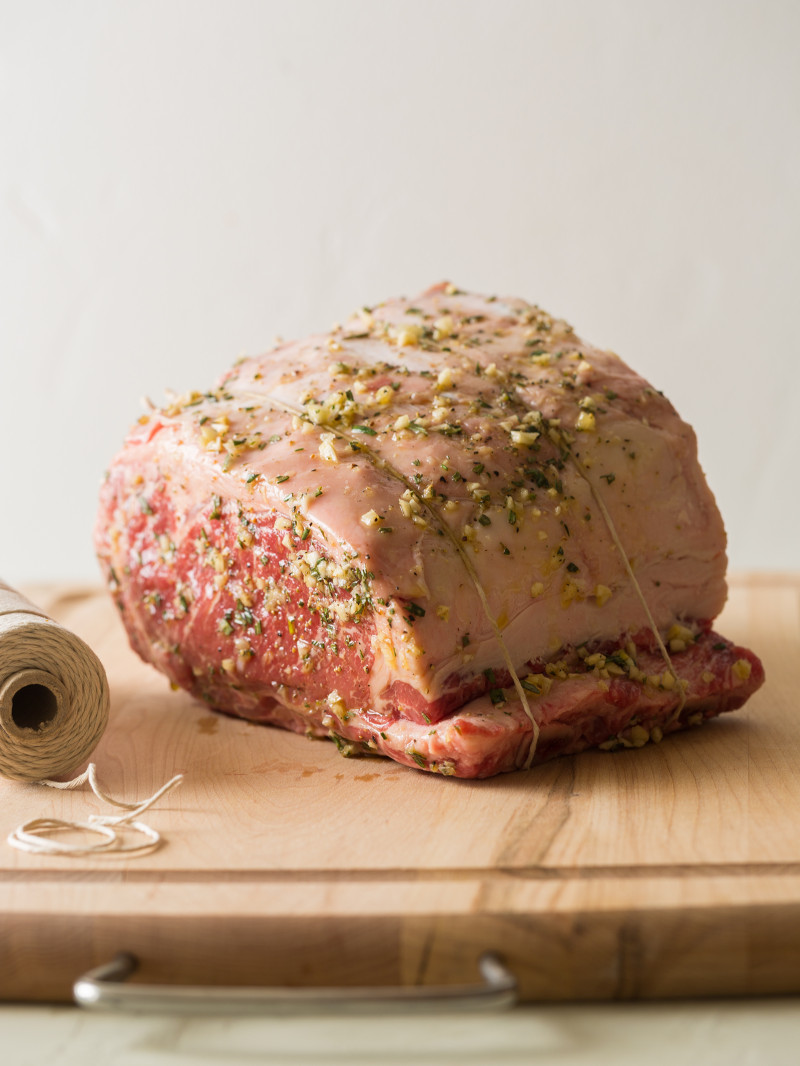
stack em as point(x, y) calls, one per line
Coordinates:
point(53, 710)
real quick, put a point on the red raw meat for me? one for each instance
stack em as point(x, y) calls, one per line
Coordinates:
point(401, 533)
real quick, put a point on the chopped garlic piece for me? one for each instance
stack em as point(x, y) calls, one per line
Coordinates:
point(443, 327)
point(327, 449)
point(519, 436)
point(586, 422)
point(602, 594)
point(639, 736)
point(679, 632)
point(337, 704)
point(408, 336)
point(742, 669)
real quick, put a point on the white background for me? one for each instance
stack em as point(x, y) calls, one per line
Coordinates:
point(180, 181)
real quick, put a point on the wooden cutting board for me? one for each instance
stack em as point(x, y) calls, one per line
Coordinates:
point(673, 870)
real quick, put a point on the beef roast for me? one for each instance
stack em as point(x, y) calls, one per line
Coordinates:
point(449, 532)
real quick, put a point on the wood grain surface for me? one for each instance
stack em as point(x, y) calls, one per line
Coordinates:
point(673, 870)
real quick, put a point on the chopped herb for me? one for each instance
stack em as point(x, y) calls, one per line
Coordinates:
point(250, 478)
point(274, 438)
point(477, 468)
point(416, 610)
point(720, 647)
point(420, 760)
point(365, 429)
point(385, 529)
point(465, 640)
point(484, 520)
point(145, 506)
point(216, 507)
point(496, 696)
point(572, 567)
point(610, 478)
point(281, 478)
point(530, 687)
point(512, 518)
point(306, 533)
point(349, 394)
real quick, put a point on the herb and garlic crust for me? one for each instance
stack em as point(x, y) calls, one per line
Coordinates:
point(448, 531)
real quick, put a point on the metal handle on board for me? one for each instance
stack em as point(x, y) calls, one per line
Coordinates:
point(104, 988)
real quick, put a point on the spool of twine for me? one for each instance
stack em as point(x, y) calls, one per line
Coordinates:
point(53, 693)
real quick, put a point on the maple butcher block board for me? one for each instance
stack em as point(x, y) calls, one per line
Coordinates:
point(673, 870)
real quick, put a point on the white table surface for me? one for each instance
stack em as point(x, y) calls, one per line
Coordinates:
point(709, 1033)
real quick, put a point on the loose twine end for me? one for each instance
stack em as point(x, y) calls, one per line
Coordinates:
point(35, 836)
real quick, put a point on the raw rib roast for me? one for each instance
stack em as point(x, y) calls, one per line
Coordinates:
point(449, 532)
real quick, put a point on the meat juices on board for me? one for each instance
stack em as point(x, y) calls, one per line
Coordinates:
point(405, 534)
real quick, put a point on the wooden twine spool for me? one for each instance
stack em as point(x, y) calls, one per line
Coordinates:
point(53, 694)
